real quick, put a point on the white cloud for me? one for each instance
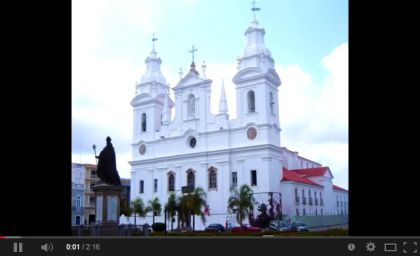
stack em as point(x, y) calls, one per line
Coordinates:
point(190, 2)
point(101, 93)
point(141, 14)
point(314, 119)
point(87, 36)
point(218, 72)
point(334, 99)
point(297, 96)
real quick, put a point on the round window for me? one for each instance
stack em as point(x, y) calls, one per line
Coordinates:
point(193, 142)
point(142, 149)
point(251, 133)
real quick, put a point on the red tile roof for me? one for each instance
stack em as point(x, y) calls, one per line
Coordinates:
point(339, 188)
point(310, 172)
point(292, 176)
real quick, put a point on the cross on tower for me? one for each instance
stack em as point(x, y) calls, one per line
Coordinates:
point(254, 9)
point(153, 40)
point(192, 51)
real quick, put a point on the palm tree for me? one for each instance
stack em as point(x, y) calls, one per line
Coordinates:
point(198, 202)
point(155, 207)
point(242, 202)
point(183, 209)
point(138, 207)
point(191, 204)
point(170, 207)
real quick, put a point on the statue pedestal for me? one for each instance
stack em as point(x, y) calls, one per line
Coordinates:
point(107, 208)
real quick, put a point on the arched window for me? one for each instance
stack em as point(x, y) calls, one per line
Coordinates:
point(271, 103)
point(212, 178)
point(251, 102)
point(297, 212)
point(190, 178)
point(171, 182)
point(77, 220)
point(191, 106)
point(143, 122)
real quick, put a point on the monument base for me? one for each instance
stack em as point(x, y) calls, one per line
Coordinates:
point(107, 208)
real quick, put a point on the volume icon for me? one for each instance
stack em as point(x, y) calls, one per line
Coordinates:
point(47, 247)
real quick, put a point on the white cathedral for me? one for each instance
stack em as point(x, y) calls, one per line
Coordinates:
point(200, 149)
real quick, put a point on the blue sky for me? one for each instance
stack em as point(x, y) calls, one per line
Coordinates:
point(300, 31)
point(307, 38)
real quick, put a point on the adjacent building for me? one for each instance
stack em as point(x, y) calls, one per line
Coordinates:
point(83, 198)
point(77, 195)
point(86, 175)
point(77, 212)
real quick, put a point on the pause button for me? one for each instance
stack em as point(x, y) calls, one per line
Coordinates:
point(17, 247)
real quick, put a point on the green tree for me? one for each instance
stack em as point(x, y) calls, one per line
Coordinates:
point(198, 203)
point(170, 208)
point(182, 209)
point(190, 205)
point(155, 207)
point(241, 202)
point(138, 208)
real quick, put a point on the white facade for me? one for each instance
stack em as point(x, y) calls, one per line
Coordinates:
point(342, 200)
point(292, 207)
point(245, 150)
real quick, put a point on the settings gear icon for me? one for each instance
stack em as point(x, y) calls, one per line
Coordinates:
point(370, 247)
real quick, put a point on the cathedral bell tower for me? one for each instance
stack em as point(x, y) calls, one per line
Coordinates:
point(257, 108)
point(256, 81)
point(149, 102)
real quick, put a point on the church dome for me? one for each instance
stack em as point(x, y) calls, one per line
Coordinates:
point(153, 77)
point(153, 73)
point(256, 49)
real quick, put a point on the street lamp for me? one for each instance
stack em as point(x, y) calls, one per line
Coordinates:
point(94, 150)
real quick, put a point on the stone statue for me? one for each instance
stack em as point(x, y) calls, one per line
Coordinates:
point(107, 166)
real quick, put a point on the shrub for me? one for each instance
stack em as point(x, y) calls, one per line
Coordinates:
point(158, 226)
